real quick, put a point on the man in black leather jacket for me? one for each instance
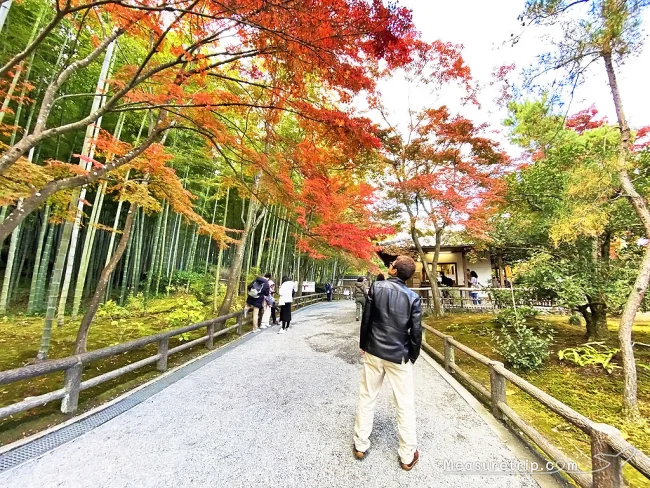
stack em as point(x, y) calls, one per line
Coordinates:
point(391, 334)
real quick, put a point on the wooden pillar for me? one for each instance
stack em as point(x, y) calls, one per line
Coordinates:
point(449, 354)
point(502, 272)
point(606, 464)
point(497, 390)
point(163, 350)
point(72, 386)
point(209, 342)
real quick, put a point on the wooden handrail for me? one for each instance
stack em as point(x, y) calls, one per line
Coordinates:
point(608, 448)
point(73, 365)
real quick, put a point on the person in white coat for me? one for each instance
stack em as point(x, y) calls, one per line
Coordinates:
point(285, 301)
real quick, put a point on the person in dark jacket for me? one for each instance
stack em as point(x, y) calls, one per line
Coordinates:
point(360, 293)
point(328, 290)
point(391, 334)
point(257, 290)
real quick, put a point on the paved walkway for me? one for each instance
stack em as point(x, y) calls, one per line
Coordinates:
point(275, 411)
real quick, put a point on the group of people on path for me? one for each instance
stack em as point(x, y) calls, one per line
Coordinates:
point(261, 301)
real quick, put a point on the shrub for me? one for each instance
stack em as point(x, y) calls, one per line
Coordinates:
point(135, 304)
point(198, 284)
point(523, 347)
point(588, 355)
point(511, 317)
point(112, 310)
point(523, 342)
point(574, 320)
point(189, 312)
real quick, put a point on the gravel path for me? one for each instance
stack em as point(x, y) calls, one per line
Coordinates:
point(276, 411)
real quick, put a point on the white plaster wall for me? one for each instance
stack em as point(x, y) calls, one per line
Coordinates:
point(483, 269)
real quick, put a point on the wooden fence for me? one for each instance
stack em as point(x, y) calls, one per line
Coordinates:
point(608, 448)
point(484, 299)
point(74, 365)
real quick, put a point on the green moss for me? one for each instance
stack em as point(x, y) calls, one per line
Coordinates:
point(19, 340)
point(589, 390)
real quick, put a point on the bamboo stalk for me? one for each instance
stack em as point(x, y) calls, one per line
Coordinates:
point(162, 248)
point(31, 305)
point(53, 292)
point(154, 254)
point(219, 259)
point(4, 295)
point(127, 261)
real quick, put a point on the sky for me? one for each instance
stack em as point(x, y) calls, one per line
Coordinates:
point(484, 27)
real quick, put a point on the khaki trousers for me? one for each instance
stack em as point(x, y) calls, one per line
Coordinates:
point(400, 377)
point(256, 316)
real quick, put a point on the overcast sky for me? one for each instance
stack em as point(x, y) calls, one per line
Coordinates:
point(482, 28)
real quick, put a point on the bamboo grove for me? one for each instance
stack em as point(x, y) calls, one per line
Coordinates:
point(149, 147)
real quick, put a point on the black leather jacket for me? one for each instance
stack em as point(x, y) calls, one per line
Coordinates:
point(391, 327)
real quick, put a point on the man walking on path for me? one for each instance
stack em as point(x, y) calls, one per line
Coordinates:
point(391, 334)
point(360, 294)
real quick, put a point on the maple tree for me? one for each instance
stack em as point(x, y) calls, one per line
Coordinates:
point(443, 174)
point(196, 66)
point(188, 42)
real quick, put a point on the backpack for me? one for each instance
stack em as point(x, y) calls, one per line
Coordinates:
point(255, 289)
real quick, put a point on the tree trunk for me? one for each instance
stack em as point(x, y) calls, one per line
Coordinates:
point(630, 402)
point(437, 307)
point(597, 329)
point(84, 327)
point(251, 223)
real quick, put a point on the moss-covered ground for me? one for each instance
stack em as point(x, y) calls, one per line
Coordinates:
point(589, 390)
point(19, 342)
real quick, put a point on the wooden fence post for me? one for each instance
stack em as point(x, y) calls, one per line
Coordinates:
point(240, 324)
point(72, 388)
point(450, 357)
point(497, 390)
point(606, 464)
point(163, 350)
point(209, 342)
